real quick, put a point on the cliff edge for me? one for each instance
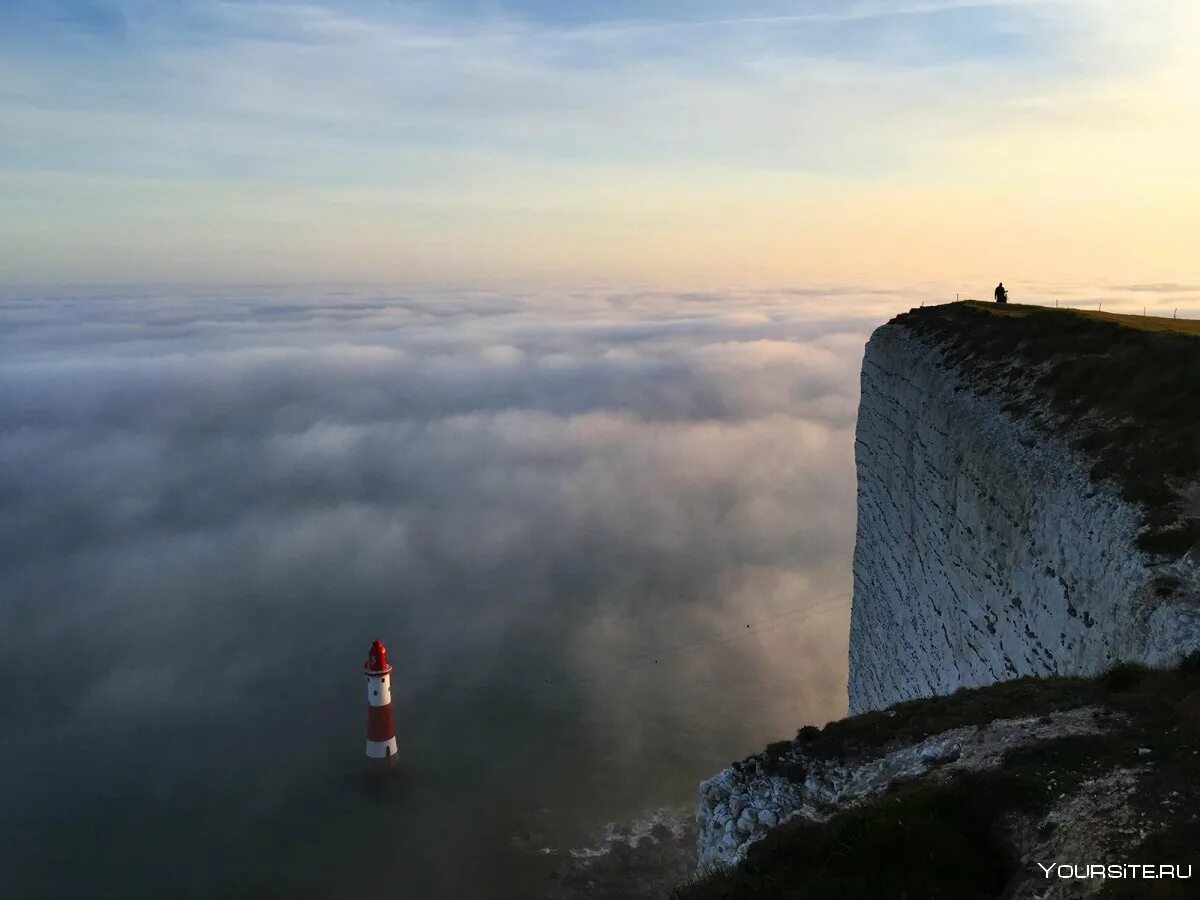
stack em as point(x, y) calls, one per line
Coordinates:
point(1027, 498)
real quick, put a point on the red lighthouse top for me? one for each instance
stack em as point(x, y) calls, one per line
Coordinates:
point(377, 663)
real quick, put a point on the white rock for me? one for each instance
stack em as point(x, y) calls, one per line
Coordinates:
point(834, 785)
point(747, 821)
point(984, 551)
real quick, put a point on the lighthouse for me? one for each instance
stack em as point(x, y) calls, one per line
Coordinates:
point(381, 731)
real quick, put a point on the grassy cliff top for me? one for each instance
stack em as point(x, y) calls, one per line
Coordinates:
point(1143, 323)
point(1124, 389)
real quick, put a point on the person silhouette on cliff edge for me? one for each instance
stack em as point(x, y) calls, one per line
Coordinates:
point(1001, 293)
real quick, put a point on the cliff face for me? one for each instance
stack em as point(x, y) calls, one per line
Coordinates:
point(1028, 513)
point(986, 549)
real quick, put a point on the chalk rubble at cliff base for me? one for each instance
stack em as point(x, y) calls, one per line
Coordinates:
point(743, 803)
point(1105, 769)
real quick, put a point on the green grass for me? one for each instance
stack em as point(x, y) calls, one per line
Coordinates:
point(869, 734)
point(1144, 323)
point(947, 840)
point(1124, 387)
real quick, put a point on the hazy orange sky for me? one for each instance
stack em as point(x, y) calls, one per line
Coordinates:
point(744, 142)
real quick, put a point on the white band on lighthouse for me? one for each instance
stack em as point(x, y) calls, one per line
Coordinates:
point(381, 749)
point(379, 690)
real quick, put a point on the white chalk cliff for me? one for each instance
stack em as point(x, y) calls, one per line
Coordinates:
point(984, 550)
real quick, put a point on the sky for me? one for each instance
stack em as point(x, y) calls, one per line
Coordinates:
point(498, 143)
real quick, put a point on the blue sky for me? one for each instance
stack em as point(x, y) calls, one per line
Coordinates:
point(148, 140)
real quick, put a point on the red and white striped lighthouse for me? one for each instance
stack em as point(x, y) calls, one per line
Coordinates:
point(381, 731)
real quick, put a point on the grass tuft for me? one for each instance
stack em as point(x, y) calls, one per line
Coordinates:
point(1190, 664)
point(1123, 676)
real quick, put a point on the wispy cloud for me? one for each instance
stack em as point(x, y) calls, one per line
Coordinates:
point(841, 13)
point(1165, 287)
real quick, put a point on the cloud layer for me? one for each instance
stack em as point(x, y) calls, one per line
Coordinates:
point(213, 501)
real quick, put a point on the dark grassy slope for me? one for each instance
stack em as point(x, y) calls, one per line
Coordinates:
point(948, 841)
point(1125, 388)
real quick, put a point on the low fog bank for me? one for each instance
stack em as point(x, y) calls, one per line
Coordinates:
point(605, 536)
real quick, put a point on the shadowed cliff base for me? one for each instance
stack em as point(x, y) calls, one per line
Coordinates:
point(1125, 793)
point(1124, 387)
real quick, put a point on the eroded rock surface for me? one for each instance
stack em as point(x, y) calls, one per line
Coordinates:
point(984, 549)
point(742, 803)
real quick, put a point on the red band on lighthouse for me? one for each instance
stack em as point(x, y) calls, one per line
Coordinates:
point(379, 723)
point(381, 731)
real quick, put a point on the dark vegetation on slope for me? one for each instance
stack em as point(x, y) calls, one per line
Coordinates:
point(1126, 386)
point(1176, 843)
point(870, 734)
point(948, 840)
